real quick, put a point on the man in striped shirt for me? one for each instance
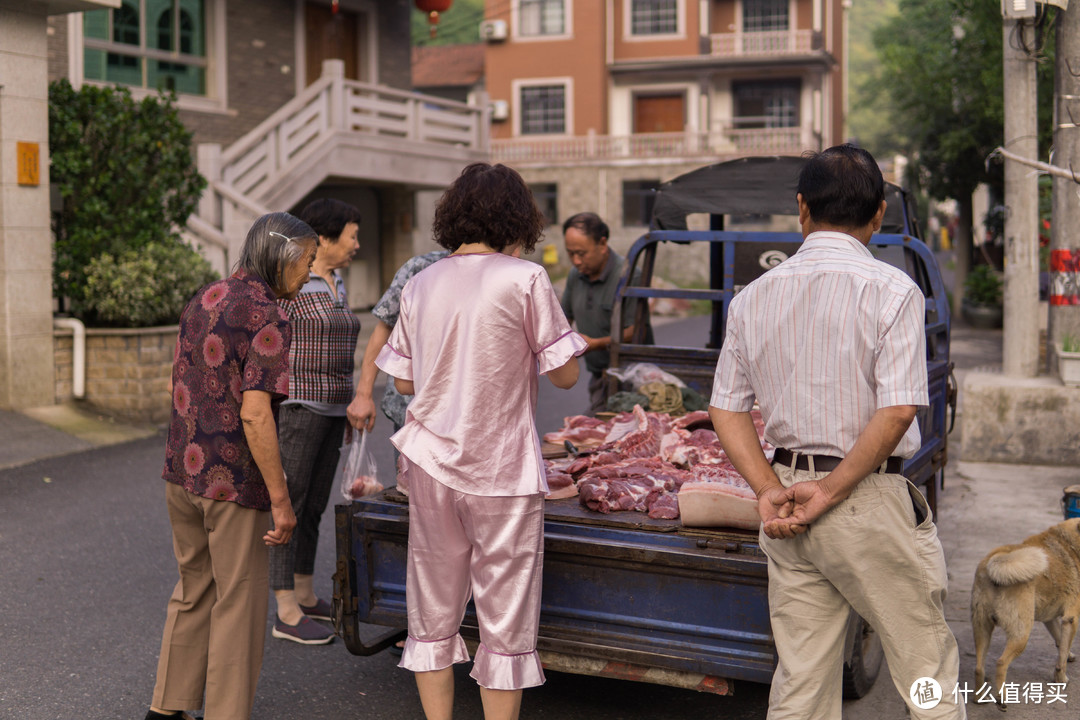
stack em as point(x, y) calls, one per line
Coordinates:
point(831, 345)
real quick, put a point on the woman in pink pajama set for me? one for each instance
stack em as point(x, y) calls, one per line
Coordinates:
point(476, 330)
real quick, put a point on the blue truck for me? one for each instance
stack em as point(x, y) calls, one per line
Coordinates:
point(649, 600)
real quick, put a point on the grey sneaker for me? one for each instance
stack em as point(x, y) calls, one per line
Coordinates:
point(321, 610)
point(305, 632)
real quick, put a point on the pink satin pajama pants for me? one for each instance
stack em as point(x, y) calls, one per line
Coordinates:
point(491, 548)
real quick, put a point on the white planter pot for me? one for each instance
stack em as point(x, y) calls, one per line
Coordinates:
point(1069, 367)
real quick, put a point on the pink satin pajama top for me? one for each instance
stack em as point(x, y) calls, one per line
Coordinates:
point(474, 333)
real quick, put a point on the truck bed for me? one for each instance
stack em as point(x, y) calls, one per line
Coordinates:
point(625, 592)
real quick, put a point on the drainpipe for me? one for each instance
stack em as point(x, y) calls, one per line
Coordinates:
point(78, 360)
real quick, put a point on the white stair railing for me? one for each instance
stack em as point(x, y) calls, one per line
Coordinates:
point(241, 177)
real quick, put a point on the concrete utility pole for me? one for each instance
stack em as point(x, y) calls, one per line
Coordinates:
point(1020, 348)
point(1064, 234)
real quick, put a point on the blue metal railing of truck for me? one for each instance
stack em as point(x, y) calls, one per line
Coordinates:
point(695, 365)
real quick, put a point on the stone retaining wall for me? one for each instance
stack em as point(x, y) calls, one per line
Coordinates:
point(1032, 421)
point(127, 370)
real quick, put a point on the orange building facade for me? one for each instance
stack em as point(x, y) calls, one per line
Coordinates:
point(597, 101)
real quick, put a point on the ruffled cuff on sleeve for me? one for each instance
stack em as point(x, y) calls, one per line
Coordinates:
point(421, 656)
point(557, 353)
point(394, 364)
point(507, 672)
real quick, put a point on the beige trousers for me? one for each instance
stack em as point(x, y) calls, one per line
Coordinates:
point(215, 624)
point(870, 554)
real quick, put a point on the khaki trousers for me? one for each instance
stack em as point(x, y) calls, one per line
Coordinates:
point(215, 625)
point(868, 553)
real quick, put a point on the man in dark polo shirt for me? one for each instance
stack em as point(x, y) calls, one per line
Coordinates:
point(589, 297)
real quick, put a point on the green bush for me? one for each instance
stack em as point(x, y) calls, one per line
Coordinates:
point(983, 286)
point(146, 286)
point(127, 177)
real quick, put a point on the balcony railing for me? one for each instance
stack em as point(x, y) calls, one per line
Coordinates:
point(686, 145)
point(763, 44)
point(767, 141)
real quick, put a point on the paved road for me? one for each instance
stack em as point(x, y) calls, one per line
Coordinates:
point(87, 567)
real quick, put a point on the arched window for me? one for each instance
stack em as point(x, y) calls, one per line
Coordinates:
point(126, 24)
point(165, 31)
point(167, 51)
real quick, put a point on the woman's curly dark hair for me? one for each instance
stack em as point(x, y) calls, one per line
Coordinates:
point(490, 204)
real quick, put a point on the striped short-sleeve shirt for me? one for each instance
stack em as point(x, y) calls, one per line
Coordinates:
point(822, 341)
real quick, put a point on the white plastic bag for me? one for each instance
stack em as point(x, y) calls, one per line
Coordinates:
point(638, 374)
point(356, 470)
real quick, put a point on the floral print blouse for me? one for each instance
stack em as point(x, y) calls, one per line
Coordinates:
point(233, 337)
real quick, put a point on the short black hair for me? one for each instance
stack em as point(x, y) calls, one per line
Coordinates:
point(589, 224)
point(329, 216)
point(842, 186)
point(489, 204)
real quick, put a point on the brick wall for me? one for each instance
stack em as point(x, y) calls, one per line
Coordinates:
point(127, 371)
point(395, 59)
point(57, 31)
point(261, 50)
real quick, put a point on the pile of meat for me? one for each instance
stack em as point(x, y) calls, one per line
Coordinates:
point(641, 460)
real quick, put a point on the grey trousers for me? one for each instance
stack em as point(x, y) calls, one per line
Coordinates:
point(310, 445)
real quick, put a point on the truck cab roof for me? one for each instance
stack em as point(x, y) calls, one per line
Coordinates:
point(757, 186)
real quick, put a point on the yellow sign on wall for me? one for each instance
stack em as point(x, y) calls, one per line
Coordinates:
point(29, 158)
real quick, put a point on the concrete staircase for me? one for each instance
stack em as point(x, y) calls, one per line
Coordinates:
point(338, 128)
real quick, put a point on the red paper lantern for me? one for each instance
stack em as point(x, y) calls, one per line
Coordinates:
point(433, 8)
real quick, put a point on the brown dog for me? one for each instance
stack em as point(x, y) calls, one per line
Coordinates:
point(1015, 585)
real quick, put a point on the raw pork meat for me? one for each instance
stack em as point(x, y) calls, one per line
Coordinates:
point(666, 506)
point(693, 448)
point(631, 484)
point(723, 474)
point(621, 425)
point(646, 459)
point(581, 430)
point(363, 486)
point(695, 419)
point(711, 504)
point(641, 442)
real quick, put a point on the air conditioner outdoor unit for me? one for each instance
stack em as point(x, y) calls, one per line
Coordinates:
point(500, 110)
point(1011, 9)
point(493, 30)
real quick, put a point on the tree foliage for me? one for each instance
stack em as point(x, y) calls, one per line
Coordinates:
point(941, 63)
point(458, 25)
point(871, 115)
point(126, 174)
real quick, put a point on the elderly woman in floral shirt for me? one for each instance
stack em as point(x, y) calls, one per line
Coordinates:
point(225, 481)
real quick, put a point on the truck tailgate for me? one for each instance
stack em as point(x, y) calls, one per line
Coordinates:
point(621, 589)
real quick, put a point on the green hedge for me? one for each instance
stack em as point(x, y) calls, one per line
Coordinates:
point(145, 287)
point(128, 180)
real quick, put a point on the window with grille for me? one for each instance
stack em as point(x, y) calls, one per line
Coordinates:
point(766, 104)
point(765, 15)
point(654, 17)
point(546, 196)
point(152, 44)
point(543, 110)
point(541, 17)
point(638, 197)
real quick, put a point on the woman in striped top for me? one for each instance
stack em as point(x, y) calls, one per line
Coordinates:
point(312, 422)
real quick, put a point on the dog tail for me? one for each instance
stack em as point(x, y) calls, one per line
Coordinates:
point(1017, 566)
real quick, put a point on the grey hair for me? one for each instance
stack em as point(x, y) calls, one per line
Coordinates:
point(274, 242)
